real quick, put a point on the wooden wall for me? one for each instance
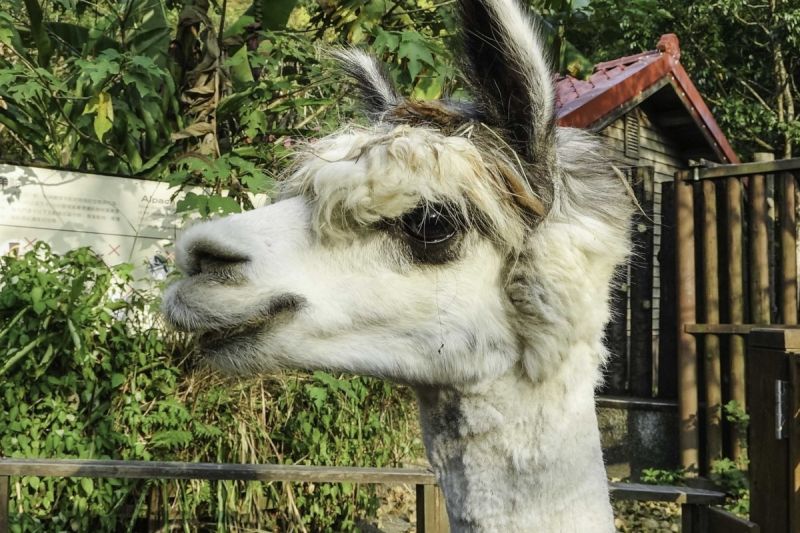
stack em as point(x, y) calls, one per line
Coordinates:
point(635, 140)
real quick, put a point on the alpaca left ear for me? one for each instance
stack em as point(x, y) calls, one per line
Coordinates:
point(378, 94)
point(507, 66)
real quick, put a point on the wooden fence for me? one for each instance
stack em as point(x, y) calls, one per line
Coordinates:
point(697, 514)
point(736, 269)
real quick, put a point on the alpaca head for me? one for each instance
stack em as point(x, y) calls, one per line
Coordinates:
point(446, 243)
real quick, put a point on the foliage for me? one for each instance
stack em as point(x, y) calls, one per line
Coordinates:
point(728, 474)
point(134, 88)
point(657, 476)
point(731, 475)
point(97, 97)
point(732, 478)
point(738, 417)
point(85, 372)
point(177, 91)
point(736, 51)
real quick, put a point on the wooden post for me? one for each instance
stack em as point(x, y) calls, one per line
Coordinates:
point(788, 276)
point(431, 510)
point(687, 314)
point(733, 223)
point(759, 246)
point(616, 336)
point(641, 288)
point(693, 519)
point(5, 524)
point(713, 372)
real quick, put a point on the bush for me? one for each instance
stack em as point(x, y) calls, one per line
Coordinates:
point(86, 372)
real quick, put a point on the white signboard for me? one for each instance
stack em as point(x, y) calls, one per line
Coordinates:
point(121, 219)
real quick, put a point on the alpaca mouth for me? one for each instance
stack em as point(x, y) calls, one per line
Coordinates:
point(215, 333)
point(217, 338)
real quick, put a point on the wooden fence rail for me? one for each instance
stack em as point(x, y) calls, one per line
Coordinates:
point(431, 515)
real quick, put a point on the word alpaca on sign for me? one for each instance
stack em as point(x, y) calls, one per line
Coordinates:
point(463, 249)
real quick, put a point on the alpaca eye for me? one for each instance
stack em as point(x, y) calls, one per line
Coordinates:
point(429, 224)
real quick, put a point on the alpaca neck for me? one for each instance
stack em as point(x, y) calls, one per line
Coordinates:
point(513, 455)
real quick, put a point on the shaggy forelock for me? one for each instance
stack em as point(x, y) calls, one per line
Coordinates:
point(361, 176)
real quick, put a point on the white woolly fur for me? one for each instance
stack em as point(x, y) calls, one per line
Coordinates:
point(501, 336)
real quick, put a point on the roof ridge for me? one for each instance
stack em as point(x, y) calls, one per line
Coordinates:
point(606, 65)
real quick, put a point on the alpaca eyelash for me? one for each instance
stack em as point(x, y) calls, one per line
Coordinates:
point(430, 224)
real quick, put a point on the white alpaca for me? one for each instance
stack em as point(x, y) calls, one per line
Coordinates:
point(465, 250)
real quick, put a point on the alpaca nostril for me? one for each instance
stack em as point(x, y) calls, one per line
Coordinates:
point(213, 263)
point(206, 257)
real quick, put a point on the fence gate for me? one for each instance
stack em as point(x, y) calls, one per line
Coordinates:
point(773, 397)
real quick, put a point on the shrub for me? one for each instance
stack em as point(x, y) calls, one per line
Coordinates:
point(86, 372)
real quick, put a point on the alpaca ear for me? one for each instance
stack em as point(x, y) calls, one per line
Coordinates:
point(507, 67)
point(377, 92)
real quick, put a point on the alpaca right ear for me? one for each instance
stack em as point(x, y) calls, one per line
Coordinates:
point(378, 94)
point(507, 67)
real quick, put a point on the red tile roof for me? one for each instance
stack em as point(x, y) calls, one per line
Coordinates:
point(582, 103)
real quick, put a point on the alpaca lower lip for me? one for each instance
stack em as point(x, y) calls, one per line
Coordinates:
point(214, 339)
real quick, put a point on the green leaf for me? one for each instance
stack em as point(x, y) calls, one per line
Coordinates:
point(117, 380)
point(36, 295)
point(155, 160)
point(29, 89)
point(73, 332)
point(103, 109)
point(152, 31)
point(87, 484)
point(223, 204)
point(275, 13)
point(190, 202)
point(9, 35)
point(429, 88)
point(238, 27)
point(414, 48)
point(171, 439)
point(77, 287)
point(256, 182)
point(241, 72)
point(102, 67)
point(386, 41)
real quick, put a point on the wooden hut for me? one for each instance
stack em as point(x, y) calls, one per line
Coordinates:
point(655, 123)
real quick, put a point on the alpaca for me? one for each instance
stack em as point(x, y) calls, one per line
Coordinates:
point(463, 249)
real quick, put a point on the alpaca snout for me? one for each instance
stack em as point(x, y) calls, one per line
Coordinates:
point(204, 250)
